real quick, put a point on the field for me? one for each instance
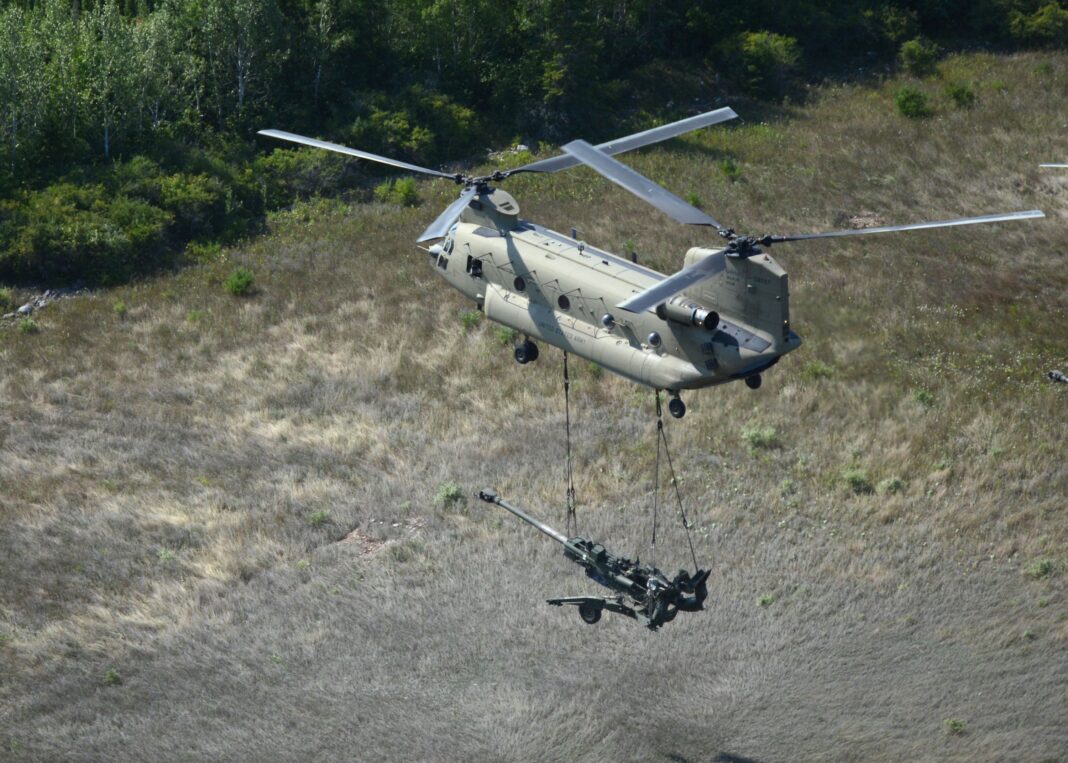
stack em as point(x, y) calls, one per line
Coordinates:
point(242, 527)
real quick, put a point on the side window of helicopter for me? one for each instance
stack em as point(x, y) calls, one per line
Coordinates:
point(448, 246)
point(474, 267)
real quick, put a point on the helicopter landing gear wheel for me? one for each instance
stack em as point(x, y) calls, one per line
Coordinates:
point(676, 407)
point(527, 352)
point(589, 612)
point(753, 382)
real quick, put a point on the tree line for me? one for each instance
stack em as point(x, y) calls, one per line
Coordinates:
point(88, 86)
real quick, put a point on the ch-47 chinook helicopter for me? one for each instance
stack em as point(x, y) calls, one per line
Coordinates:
point(724, 316)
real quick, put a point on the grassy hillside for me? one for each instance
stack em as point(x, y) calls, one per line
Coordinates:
point(229, 529)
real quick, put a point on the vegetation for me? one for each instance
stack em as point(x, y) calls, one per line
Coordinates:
point(912, 103)
point(127, 129)
point(239, 283)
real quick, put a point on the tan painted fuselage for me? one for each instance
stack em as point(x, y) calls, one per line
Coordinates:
point(553, 288)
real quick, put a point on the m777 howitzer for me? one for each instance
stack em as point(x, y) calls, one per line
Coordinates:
point(643, 592)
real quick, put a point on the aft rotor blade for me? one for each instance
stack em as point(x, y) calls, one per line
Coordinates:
point(440, 226)
point(681, 281)
point(1061, 166)
point(641, 186)
point(637, 140)
point(1032, 213)
point(339, 149)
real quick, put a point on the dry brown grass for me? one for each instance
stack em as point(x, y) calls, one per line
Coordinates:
point(160, 475)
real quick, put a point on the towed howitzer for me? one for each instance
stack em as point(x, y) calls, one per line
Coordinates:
point(643, 592)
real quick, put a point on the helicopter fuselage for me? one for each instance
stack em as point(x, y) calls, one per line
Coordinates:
point(551, 287)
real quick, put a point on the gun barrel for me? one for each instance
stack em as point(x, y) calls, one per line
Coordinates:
point(490, 496)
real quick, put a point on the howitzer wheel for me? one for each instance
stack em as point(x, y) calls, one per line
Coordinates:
point(589, 612)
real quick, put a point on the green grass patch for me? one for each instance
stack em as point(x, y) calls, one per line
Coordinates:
point(470, 319)
point(112, 677)
point(450, 496)
point(240, 282)
point(1038, 569)
point(890, 486)
point(766, 600)
point(319, 518)
point(120, 309)
point(816, 369)
point(857, 479)
point(962, 96)
point(28, 326)
point(758, 437)
point(505, 336)
point(954, 727)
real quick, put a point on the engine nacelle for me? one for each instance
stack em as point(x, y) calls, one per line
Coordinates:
point(682, 310)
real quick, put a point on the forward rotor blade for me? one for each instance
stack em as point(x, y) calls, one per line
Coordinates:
point(637, 140)
point(641, 186)
point(1032, 213)
point(669, 287)
point(339, 149)
point(1062, 166)
point(441, 225)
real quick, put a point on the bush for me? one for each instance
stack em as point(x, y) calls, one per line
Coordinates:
point(28, 326)
point(1039, 569)
point(197, 203)
point(768, 60)
point(857, 480)
point(730, 169)
point(239, 283)
point(69, 231)
point(912, 103)
point(962, 95)
point(954, 726)
point(761, 437)
point(288, 174)
point(470, 319)
point(319, 518)
point(1047, 26)
point(890, 486)
point(120, 309)
point(401, 191)
point(450, 496)
point(7, 299)
point(919, 57)
point(112, 677)
point(816, 369)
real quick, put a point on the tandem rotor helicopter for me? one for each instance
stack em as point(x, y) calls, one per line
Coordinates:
point(725, 316)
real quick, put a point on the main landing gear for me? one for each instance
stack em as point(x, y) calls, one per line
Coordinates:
point(753, 382)
point(676, 407)
point(527, 352)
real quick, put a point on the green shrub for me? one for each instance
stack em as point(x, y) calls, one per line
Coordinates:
point(112, 677)
point(7, 299)
point(69, 231)
point(28, 326)
point(858, 481)
point(768, 61)
point(401, 191)
point(954, 726)
point(730, 169)
point(766, 600)
point(912, 103)
point(816, 369)
point(890, 486)
point(694, 200)
point(761, 437)
point(319, 518)
point(1047, 26)
point(919, 57)
point(470, 319)
point(1039, 569)
point(285, 175)
point(505, 336)
point(450, 496)
point(120, 309)
point(197, 203)
point(962, 95)
point(924, 398)
point(239, 283)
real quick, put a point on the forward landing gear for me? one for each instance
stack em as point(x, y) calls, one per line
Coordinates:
point(676, 407)
point(753, 382)
point(527, 352)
